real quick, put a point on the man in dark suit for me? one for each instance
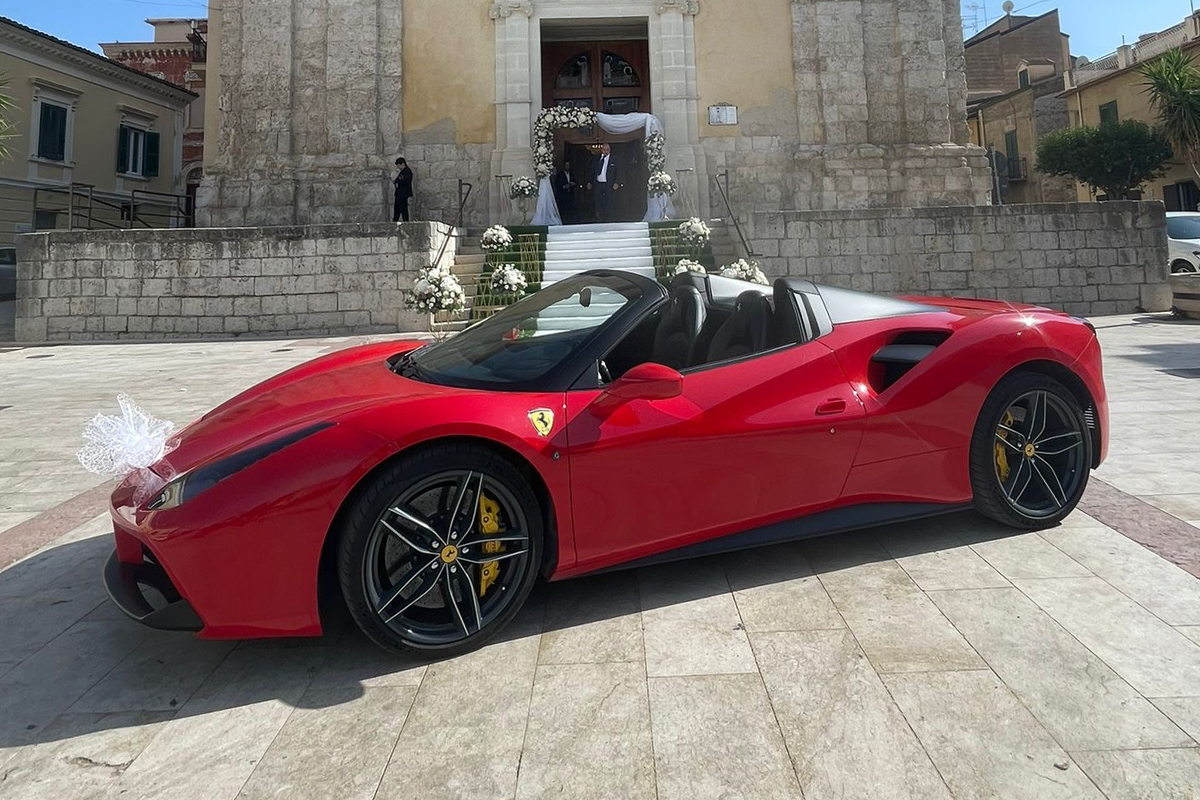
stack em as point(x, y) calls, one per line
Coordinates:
point(604, 183)
point(404, 190)
point(564, 193)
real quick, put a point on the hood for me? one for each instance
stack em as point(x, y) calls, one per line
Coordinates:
point(323, 390)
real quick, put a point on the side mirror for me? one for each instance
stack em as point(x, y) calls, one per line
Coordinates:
point(647, 382)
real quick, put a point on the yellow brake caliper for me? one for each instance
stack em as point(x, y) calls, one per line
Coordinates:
point(489, 525)
point(1001, 451)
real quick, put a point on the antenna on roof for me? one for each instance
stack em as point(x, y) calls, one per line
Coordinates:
point(1008, 6)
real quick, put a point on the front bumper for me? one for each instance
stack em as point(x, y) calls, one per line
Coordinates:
point(127, 584)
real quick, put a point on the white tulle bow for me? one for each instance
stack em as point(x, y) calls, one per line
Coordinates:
point(117, 446)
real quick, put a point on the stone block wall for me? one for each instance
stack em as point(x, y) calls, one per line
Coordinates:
point(1083, 258)
point(214, 283)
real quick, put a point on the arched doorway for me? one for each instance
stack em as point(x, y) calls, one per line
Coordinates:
point(611, 77)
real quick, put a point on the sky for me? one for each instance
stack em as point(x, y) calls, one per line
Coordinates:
point(1095, 26)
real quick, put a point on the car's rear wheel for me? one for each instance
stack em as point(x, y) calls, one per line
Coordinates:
point(441, 550)
point(1031, 453)
point(1180, 267)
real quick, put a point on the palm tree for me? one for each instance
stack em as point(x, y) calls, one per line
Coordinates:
point(6, 125)
point(1173, 84)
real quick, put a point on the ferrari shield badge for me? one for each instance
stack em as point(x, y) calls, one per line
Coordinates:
point(543, 420)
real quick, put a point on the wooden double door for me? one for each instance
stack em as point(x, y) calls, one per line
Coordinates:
point(610, 77)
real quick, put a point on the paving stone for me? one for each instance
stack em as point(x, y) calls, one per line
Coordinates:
point(1183, 506)
point(775, 590)
point(894, 621)
point(81, 755)
point(984, 742)
point(1079, 699)
point(690, 622)
point(847, 739)
point(334, 747)
point(588, 733)
point(1145, 651)
point(1184, 712)
point(1144, 774)
point(1154, 583)
point(593, 620)
point(1020, 555)
point(356, 661)
point(695, 756)
point(470, 712)
point(935, 557)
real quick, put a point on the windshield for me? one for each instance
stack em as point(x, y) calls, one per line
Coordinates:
point(1183, 227)
point(526, 343)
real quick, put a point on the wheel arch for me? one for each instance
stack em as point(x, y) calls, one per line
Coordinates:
point(1187, 266)
point(327, 582)
point(1067, 377)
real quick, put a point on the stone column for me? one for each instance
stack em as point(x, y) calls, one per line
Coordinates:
point(515, 40)
point(675, 103)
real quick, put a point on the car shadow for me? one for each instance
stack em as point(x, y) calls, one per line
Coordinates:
point(66, 650)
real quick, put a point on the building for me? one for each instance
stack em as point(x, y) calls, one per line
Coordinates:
point(1016, 72)
point(801, 104)
point(178, 54)
point(96, 145)
point(1110, 89)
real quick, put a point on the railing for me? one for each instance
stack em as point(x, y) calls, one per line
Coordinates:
point(729, 209)
point(463, 197)
point(83, 208)
point(1158, 43)
point(1018, 169)
point(1146, 48)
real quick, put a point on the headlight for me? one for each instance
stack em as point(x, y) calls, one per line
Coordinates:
point(201, 479)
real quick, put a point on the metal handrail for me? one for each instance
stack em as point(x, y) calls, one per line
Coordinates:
point(458, 219)
point(729, 208)
point(87, 190)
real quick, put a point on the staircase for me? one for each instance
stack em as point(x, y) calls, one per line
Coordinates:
point(571, 249)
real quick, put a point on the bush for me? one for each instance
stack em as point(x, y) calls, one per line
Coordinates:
point(1112, 159)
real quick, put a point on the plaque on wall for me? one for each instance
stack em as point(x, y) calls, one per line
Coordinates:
point(722, 114)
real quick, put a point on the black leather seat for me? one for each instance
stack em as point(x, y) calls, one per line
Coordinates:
point(680, 327)
point(746, 332)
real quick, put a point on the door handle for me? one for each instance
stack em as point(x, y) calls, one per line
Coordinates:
point(834, 406)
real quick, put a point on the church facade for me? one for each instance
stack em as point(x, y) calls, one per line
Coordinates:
point(786, 104)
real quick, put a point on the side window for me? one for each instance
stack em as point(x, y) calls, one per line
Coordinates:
point(137, 152)
point(1108, 114)
point(52, 132)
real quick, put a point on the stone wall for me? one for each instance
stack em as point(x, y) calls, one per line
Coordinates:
point(214, 283)
point(1084, 258)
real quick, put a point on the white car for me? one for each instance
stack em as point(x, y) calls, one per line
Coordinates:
point(1183, 239)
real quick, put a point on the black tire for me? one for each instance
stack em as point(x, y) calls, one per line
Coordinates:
point(381, 553)
point(1054, 481)
point(1182, 267)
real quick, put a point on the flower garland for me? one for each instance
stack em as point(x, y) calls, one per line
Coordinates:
point(656, 157)
point(524, 186)
point(744, 270)
point(496, 239)
point(686, 265)
point(509, 280)
point(436, 289)
point(662, 184)
point(694, 233)
point(549, 121)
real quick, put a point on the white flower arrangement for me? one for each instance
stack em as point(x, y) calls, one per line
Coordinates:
point(656, 158)
point(549, 121)
point(744, 270)
point(686, 265)
point(524, 186)
point(508, 279)
point(496, 239)
point(662, 184)
point(436, 289)
point(694, 233)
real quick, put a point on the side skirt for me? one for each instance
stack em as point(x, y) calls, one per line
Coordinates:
point(838, 520)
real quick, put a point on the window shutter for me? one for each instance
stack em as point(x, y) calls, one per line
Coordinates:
point(150, 160)
point(52, 132)
point(123, 150)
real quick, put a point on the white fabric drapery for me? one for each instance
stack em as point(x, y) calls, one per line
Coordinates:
point(657, 207)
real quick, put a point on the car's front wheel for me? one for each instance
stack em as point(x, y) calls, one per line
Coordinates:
point(1031, 454)
point(1182, 267)
point(440, 550)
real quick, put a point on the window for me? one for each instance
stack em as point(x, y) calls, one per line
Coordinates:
point(1183, 227)
point(52, 132)
point(137, 152)
point(1023, 78)
point(1108, 114)
point(1012, 147)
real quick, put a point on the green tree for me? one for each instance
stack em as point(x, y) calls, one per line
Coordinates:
point(7, 127)
point(1113, 159)
point(1173, 85)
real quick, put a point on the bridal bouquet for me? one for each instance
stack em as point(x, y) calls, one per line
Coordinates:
point(509, 280)
point(662, 184)
point(744, 270)
point(496, 239)
point(524, 186)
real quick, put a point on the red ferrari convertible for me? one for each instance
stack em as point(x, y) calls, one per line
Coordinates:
point(603, 422)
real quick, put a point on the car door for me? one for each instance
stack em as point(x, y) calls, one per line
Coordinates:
point(747, 443)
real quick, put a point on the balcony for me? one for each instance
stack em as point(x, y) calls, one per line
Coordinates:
point(1018, 170)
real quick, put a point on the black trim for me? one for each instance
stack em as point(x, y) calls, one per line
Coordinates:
point(123, 581)
point(1186, 296)
point(840, 520)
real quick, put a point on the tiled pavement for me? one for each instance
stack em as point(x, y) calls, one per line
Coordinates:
point(933, 660)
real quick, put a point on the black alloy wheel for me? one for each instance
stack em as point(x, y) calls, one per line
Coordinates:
point(1032, 452)
point(441, 553)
